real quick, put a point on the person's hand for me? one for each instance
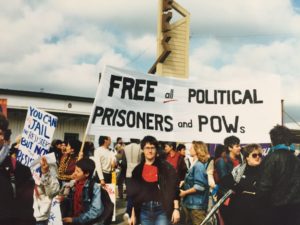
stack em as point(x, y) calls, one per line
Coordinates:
point(67, 220)
point(60, 198)
point(102, 182)
point(132, 220)
point(182, 193)
point(175, 216)
point(80, 155)
point(44, 165)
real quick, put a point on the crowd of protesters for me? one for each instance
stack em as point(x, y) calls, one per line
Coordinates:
point(166, 183)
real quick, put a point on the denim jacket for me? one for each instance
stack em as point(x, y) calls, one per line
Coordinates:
point(93, 208)
point(197, 178)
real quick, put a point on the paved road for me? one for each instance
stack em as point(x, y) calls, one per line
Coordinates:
point(121, 207)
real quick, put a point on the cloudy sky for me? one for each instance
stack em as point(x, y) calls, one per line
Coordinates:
point(60, 46)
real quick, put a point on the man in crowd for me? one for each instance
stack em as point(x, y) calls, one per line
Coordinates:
point(105, 160)
point(279, 184)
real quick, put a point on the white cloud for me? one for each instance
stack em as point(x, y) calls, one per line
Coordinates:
point(144, 46)
point(111, 58)
point(61, 46)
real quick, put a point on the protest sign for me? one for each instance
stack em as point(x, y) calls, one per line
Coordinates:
point(36, 136)
point(131, 105)
point(111, 189)
point(55, 213)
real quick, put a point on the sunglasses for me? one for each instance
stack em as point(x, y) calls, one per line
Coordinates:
point(255, 155)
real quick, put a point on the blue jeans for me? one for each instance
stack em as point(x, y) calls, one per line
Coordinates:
point(152, 213)
point(44, 222)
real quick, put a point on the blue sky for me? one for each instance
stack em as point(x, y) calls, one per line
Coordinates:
point(61, 46)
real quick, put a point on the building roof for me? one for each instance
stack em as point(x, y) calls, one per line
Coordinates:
point(45, 95)
point(19, 99)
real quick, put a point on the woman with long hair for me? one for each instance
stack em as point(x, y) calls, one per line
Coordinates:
point(195, 189)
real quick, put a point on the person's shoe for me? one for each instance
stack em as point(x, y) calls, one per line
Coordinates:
point(126, 218)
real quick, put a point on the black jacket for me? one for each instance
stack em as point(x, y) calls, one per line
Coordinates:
point(168, 184)
point(244, 206)
point(18, 209)
point(279, 183)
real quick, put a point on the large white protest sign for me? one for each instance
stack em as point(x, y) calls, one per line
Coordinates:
point(55, 213)
point(131, 105)
point(36, 136)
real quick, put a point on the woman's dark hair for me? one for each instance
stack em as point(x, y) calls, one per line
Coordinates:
point(87, 166)
point(88, 149)
point(281, 135)
point(171, 144)
point(231, 141)
point(219, 151)
point(180, 146)
point(76, 145)
point(149, 139)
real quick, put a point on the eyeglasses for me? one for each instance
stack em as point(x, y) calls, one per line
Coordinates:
point(149, 148)
point(255, 155)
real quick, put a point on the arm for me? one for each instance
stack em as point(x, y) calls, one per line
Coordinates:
point(176, 213)
point(4, 152)
point(133, 217)
point(200, 182)
point(98, 164)
point(49, 180)
point(210, 171)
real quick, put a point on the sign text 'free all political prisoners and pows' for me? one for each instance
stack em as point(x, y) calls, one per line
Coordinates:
point(36, 137)
point(131, 105)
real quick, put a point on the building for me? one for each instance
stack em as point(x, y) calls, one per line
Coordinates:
point(72, 112)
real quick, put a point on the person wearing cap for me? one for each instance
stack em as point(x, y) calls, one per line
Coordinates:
point(278, 187)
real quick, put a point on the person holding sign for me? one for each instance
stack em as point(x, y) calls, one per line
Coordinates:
point(45, 192)
point(154, 188)
point(67, 163)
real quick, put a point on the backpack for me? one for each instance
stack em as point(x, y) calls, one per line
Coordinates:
point(107, 214)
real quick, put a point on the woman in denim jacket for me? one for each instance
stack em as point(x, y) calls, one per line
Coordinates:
point(79, 207)
point(195, 188)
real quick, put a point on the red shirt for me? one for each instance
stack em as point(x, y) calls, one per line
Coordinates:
point(235, 162)
point(173, 160)
point(150, 173)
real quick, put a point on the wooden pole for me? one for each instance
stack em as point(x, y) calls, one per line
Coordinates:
point(282, 112)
